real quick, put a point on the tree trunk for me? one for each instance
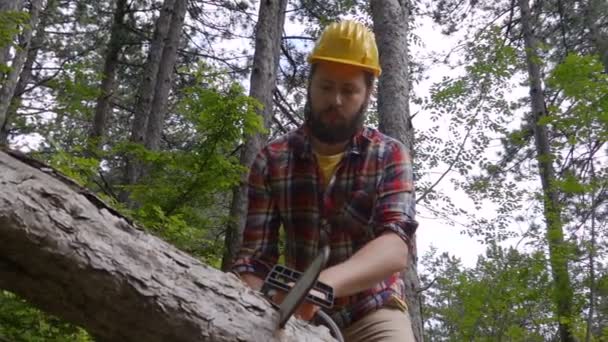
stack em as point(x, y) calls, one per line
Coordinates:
point(11, 5)
point(102, 110)
point(8, 6)
point(66, 252)
point(558, 252)
point(164, 79)
point(391, 27)
point(26, 73)
point(266, 56)
point(10, 83)
point(147, 89)
point(593, 13)
point(592, 281)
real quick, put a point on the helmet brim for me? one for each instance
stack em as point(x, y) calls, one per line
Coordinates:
point(375, 71)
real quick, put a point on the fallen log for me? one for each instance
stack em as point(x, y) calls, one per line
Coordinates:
point(68, 253)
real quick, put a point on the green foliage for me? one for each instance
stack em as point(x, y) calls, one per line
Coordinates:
point(65, 125)
point(469, 112)
point(75, 165)
point(11, 23)
point(584, 83)
point(20, 322)
point(181, 186)
point(76, 89)
point(506, 296)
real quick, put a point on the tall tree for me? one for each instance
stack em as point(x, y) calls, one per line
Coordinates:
point(147, 89)
point(10, 83)
point(165, 77)
point(8, 8)
point(268, 33)
point(108, 83)
point(558, 253)
point(391, 26)
point(504, 297)
point(593, 12)
point(27, 73)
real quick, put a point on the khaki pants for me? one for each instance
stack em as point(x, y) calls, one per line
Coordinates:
point(383, 325)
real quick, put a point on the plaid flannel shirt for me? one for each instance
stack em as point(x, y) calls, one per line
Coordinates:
point(371, 192)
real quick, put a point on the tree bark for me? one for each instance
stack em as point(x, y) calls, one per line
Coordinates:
point(102, 110)
point(27, 72)
point(10, 83)
point(594, 9)
point(589, 335)
point(11, 5)
point(558, 253)
point(147, 89)
point(391, 27)
point(8, 6)
point(68, 253)
point(266, 56)
point(164, 79)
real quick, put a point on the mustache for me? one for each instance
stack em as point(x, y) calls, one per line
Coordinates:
point(333, 110)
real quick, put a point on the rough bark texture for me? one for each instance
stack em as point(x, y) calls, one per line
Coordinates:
point(263, 77)
point(102, 110)
point(26, 73)
point(10, 83)
point(164, 79)
point(558, 256)
point(147, 89)
point(69, 254)
point(390, 19)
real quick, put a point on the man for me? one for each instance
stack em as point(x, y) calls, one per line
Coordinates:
point(334, 181)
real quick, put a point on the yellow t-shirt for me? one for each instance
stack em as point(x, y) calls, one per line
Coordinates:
point(328, 165)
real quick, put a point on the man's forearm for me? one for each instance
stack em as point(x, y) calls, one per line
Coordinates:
point(373, 263)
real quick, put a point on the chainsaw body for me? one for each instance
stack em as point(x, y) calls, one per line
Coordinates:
point(282, 278)
point(287, 280)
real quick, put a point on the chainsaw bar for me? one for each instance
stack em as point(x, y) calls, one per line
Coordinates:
point(280, 277)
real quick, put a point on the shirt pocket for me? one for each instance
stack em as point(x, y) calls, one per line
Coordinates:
point(355, 216)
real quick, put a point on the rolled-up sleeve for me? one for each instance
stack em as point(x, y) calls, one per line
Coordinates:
point(396, 206)
point(259, 250)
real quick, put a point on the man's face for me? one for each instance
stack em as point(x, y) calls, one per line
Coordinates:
point(337, 101)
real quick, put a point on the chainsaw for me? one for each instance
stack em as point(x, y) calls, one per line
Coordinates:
point(302, 287)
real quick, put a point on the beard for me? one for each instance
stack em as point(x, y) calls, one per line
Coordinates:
point(337, 131)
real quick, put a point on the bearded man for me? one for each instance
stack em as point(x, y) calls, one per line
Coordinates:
point(334, 181)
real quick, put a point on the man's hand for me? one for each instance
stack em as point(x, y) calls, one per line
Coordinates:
point(305, 311)
point(252, 281)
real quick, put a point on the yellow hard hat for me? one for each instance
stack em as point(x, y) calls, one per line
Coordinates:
point(347, 42)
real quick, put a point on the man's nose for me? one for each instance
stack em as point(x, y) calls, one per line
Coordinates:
point(337, 99)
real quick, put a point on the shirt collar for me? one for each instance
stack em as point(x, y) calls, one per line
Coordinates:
point(301, 142)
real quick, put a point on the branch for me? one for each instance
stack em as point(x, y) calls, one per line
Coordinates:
point(456, 158)
point(299, 38)
point(285, 108)
point(281, 127)
point(422, 289)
